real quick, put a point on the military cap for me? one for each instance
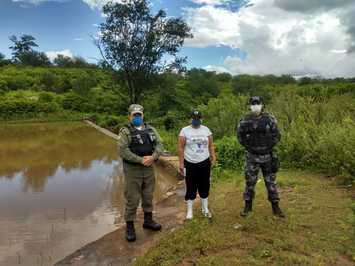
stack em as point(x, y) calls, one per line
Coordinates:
point(135, 108)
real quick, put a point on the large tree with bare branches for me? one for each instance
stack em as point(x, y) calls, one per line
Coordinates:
point(140, 44)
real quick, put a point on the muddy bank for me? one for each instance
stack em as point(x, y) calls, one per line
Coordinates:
point(113, 249)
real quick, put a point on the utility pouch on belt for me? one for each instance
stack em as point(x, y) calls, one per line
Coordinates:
point(275, 163)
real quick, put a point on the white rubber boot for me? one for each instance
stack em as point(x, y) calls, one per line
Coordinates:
point(190, 204)
point(204, 208)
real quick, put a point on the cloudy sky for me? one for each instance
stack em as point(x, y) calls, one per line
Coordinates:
point(303, 37)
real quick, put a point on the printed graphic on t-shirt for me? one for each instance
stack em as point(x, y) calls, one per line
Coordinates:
point(200, 143)
point(196, 146)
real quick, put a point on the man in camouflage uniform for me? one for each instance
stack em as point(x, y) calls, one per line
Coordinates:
point(258, 133)
point(139, 146)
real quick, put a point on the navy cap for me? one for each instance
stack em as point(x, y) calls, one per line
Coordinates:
point(196, 114)
point(255, 100)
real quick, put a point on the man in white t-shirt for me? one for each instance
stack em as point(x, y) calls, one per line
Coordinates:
point(196, 154)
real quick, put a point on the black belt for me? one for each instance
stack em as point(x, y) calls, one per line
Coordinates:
point(132, 163)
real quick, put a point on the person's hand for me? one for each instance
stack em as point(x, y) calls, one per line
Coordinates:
point(181, 169)
point(214, 161)
point(148, 160)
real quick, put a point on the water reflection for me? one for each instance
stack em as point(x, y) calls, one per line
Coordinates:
point(37, 150)
point(60, 188)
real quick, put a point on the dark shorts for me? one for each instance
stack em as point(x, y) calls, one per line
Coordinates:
point(197, 179)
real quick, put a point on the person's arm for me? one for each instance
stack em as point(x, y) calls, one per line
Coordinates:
point(158, 150)
point(159, 147)
point(241, 133)
point(181, 148)
point(212, 150)
point(276, 135)
point(123, 146)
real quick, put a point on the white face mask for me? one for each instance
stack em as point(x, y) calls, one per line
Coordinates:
point(256, 108)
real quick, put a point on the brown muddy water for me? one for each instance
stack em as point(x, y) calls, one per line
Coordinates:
point(61, 187)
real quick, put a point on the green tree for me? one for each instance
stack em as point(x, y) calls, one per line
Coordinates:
point(75, 62)
point(80, 62)
point(22, 45)
point(134, 41)
point(34, 58)
point(23, 53)
point(3, 60)
point(62, 61)
point(202, 84)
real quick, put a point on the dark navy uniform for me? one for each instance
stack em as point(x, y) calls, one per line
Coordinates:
point(259, 134)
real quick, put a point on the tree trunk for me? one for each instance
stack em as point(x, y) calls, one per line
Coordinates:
point(130, 86)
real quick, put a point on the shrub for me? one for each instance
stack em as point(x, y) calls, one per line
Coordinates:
point(73, 101)
point(222, 114)
point(230, 153)
point(48, 107)
point(170, 140)
point(3, 86)
point(46, 97)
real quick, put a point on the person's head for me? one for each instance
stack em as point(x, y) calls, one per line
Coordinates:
point(135, 114)
point(196, 118)
point(256, 104)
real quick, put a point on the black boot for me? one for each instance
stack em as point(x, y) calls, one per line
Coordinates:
point(149, 223)
point(276, 210)
point(130, 232)
point(247, 208)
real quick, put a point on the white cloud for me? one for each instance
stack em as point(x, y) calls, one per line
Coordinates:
point(210, 2)
point(310, 5)
point(276, 40)
point(212, 26)
point(53, 54)
point(92, 3)
point(99, 3)
point(217, 69)
point(36, 2)
point(338, 51)
point(78, 39)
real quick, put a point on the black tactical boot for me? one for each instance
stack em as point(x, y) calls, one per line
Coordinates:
point(247, 208)
point(276, 210)
point(130, 232)
point(149, 223)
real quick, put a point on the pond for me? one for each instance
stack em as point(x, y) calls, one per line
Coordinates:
point(61, 187)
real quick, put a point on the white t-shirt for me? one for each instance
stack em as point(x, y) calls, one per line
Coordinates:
point(196, 145)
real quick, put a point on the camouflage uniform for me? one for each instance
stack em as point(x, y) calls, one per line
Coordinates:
point(259, 134)
point(139, 179)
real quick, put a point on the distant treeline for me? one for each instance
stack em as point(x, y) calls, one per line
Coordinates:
point(27, 91)
point(316, 116)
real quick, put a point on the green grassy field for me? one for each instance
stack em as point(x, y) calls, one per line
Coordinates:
point(318, 230)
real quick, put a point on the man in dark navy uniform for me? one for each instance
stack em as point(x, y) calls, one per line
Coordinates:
point(259, 134)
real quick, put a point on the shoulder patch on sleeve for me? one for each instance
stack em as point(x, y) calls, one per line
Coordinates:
point(150, 127)
point(124, 130)
point(243, 120)
point(272, 118)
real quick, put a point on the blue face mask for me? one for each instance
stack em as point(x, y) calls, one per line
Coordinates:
point(137, 121)
point(196, 122)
